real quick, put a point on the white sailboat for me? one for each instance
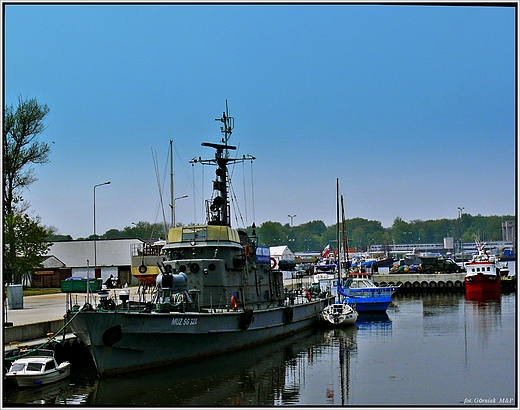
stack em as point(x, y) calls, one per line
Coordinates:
point(339, 313)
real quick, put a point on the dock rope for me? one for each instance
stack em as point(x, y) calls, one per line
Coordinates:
point(53, 338)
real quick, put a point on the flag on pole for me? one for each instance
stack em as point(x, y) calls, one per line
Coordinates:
point(325, 252)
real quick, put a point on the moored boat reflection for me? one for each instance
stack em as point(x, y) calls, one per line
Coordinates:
point(64, 392)
point(262, 376)
point(376, 324)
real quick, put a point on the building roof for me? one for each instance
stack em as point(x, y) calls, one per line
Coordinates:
point(80, 254)
point(281, 252)
point(52, 262)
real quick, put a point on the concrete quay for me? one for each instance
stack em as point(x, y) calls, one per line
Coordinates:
point(421, 281)
point(409, 281)
point(41, 317)
point(32, 325)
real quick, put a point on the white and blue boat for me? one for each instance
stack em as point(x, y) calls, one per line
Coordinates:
point(339, 313)
point(37, 368)
point(360, 291)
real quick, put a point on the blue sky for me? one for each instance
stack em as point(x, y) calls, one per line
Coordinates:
point(412, 107)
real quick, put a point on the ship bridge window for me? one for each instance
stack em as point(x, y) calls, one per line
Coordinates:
point(190, 233)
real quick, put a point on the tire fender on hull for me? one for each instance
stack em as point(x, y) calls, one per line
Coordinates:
point(112, 335)
point(245, 319)
point(287, 315)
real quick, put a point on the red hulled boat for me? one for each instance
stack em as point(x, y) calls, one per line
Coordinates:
point(482, 274)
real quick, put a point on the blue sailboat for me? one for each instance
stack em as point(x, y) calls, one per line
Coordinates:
point(360, 291)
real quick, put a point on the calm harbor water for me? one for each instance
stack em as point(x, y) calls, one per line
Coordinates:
point(430, 349)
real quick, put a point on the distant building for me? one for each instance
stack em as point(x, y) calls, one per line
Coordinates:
point(77, 258)
point(51, 274)
point(306, 257)
point(509, 231)
point(281, 252)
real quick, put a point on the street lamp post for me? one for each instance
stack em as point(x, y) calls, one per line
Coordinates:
point(173, 208)
point(461, 208)
point(292, 217)
point(95, 236)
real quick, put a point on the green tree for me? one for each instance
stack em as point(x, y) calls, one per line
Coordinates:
point(144, 230)
point(54, 236)
point(24, 239)
point(21, 148)
point(24, 246)
point(401, 231)
point(113, 234)
point(307, 236)
point(272, 234)
point(315, 235)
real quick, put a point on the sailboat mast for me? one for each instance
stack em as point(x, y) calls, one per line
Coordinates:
point(172, 199)
point(344, 228)
point(338, 236)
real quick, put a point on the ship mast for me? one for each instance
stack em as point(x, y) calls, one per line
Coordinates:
point(218, 209)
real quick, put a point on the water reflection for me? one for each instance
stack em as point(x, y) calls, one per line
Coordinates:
point(483, 318)
point(473, 343)
point(374, 325)
point(64, 392)
point(264, 376)
point(272, 374)
point(483, 297)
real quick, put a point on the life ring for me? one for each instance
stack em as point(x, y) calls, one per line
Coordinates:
point(273, 263)
point(234, 302)
point(143, 268)
point(248, 251)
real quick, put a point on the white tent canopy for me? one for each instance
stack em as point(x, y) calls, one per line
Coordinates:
point(281, 252)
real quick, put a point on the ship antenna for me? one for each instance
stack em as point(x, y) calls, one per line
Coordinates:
point(218, 210)
point(227, 128)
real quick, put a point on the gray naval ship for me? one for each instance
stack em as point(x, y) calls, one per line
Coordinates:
point(215, 291)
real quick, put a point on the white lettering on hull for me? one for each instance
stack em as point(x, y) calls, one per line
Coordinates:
point(184, 321)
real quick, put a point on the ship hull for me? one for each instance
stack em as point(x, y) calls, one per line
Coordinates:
point(368, 304)
point(482, 284)
point(127, 341)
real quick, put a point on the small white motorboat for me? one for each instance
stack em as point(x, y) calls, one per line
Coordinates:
point(37, 368)
point(337, 315)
